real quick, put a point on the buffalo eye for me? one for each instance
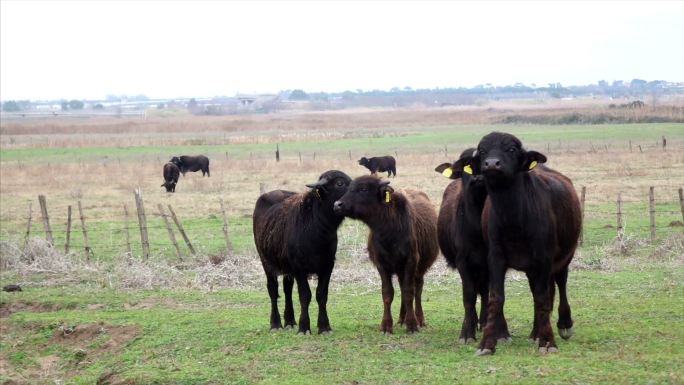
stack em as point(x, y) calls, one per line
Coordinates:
point(340, 183)
point(512, 149)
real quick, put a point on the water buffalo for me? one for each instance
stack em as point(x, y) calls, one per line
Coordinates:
point(171, 173)
point(380, 163)
point(532, 222)
point(191, 163)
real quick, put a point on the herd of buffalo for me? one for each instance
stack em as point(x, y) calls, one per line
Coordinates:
point(504, 209)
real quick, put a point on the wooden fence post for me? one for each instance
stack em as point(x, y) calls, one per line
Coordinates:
point(30, 217)
point(300, 157)
point(229, 247)
point(651, 212)
point(181, 230)
point(582, 199)
point(277, 153)
point(681, 201)
point(46, 219)
point(445, 151)
point(620, 226)
point(350, 155)
point(142, 222)
point(172, 237)
point(314, 156)
point(68, 230)
point(88, 250)
point(126, 230)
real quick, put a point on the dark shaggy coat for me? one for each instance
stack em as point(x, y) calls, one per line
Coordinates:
point(296, 236)
point(402, 241)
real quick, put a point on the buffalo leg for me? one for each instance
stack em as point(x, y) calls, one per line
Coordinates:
point(420, 316)
point(564, 314)
point(322, 300)
point(470, 314)
point(402, 309)
point(534, 334)
point(387, 297)
point(304, 301)
point(408, 293)
point(288, 283)
point(272, 285)
point(497, 274)
point(543, 303)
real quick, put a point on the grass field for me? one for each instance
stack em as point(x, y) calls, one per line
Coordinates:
point(190, 337)
point(188, 322)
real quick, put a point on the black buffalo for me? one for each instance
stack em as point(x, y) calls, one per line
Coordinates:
point(463, 245)
point(191, 163)
point(171, 174)
point(532, 222)
point(380, 163)
point(296, 236)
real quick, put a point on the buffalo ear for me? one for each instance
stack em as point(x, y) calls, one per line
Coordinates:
point(532, 158)
point(385, 192)
point(450, 171)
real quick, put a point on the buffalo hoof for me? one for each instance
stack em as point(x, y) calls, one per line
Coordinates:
point(548, 350)
point(288, 327)
point(325, 332)
point(274, 330)
point(304, 333)
point(533, 340)
point(466, 341)
point(484, 352)
point(566, 333)
point(504, 340)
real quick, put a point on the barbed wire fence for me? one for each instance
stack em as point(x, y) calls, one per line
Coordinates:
point(130, 233)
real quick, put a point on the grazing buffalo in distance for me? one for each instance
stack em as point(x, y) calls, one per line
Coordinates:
point(532, 222)
point(402, 241)
point(460, 236)
point(191, 163)
point(171, 174)
point(380, 163)
point(296, 236)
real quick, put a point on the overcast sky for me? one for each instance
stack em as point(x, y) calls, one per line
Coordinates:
point(59, 49)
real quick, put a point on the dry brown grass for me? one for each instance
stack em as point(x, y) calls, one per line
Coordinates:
point(288, 126)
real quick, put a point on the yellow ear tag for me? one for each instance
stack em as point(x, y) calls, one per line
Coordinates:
point(533, 164)
point(447, 172)
point(468, 170)
point(388, 197)
point(318, 195)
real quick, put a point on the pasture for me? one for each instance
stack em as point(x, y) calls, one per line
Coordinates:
point(204, 319)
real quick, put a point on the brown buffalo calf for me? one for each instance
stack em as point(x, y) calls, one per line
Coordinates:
point(402, 241)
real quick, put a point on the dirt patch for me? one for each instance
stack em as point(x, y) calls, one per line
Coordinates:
point(676, 224)
point(95, 339)
point(7, 309)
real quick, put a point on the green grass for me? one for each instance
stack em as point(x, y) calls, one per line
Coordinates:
point(628, 330)
point(389, 140)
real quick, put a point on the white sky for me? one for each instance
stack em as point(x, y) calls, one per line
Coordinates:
point(87, 49)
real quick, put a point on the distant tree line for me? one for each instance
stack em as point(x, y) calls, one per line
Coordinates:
point(397, 96)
